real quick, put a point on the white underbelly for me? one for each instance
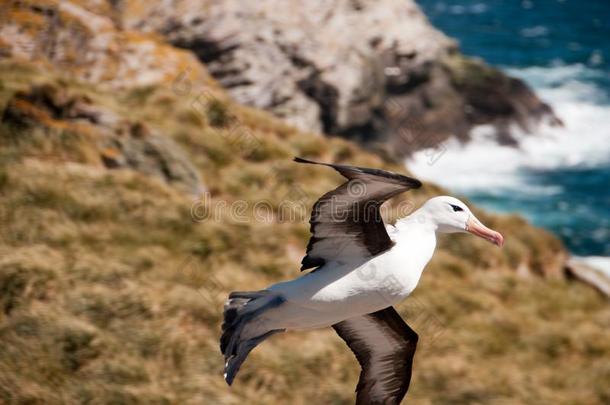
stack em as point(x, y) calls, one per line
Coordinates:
point(338, 292)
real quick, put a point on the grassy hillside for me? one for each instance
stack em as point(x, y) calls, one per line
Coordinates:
point(132, 201)
point(112, 281)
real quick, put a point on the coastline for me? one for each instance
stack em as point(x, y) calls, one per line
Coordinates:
point(521, 178)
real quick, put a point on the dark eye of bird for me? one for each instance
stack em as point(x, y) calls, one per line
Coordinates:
point(456, 208)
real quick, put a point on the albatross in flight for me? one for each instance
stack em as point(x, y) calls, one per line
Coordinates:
point(362, 268)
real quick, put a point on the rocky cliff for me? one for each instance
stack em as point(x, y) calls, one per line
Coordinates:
point(370, 70)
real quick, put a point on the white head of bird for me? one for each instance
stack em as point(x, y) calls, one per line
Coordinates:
point(450, 215)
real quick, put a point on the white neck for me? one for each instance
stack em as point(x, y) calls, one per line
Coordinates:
point(420, 219)
point(415, 239)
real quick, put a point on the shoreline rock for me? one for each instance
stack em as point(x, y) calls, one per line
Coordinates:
point(374, 71)
point(589, 274)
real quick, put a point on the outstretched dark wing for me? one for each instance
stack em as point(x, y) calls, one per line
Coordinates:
point(384, 346)
point(346, 222)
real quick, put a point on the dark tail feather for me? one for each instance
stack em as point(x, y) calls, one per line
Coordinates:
point(234, 362)
point(240, 308)
point(230, 317)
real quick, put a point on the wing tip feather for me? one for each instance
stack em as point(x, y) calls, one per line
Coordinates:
point(302, 160)
point(412, 182)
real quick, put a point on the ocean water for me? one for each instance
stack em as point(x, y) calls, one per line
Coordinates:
point(559, 178)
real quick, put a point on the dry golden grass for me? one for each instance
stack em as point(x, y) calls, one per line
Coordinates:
point(110, 292)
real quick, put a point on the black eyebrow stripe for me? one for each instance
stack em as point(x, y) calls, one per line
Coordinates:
point(456, 208)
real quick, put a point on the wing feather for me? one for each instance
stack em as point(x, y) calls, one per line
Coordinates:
point(384, 345)
point(346, 222)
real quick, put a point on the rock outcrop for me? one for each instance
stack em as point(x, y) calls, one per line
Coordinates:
point(109, 139)
point(84, 39)
point(86, 42)
point(376, 71)
point(588, 274)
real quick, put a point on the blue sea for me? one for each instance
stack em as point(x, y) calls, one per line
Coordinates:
point(559, 178)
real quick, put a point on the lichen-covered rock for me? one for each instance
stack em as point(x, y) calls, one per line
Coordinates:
point(104, 137)
point(84, 39)
point(372, 70)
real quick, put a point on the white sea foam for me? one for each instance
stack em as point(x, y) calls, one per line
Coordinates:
point(483, 164)
point(458, 9)
point(536, 31)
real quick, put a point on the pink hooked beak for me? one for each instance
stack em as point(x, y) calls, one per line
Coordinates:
point(475, 227)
